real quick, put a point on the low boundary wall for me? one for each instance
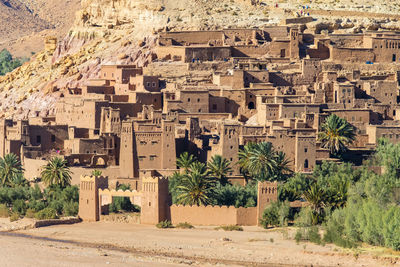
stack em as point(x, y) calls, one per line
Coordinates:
point(213, 215)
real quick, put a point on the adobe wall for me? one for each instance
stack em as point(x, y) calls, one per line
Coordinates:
point(250, 51)
point(171, 53)
point(207, 53)
point(33, 168)
point(192, 37)
point(351, 54)
point(204, 116)
point(300, 20)
point(213, 215)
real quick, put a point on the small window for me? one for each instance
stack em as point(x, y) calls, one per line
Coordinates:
point(198, 99)
point(154, 84)
point(38, 139)
point(188, 100)
point(152, 157)
point(53, 138)
point(305, 150)
point(306, 164)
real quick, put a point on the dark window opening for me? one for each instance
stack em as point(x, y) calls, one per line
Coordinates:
point(306, 164)
point(251, 105)
point(53, 138)
point(38, 139)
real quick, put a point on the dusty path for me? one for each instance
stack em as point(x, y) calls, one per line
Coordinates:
point(27, 251)
point(136, 244)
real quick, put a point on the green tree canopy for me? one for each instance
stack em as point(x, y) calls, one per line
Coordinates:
point(336, 134)
point(10, 169)
point(185, 160)
point(196, 188)
point(263, 163)
point(219, 168)
point(56, 172)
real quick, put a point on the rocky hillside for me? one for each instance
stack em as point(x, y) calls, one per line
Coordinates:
point(25, 23)
point(123, 31)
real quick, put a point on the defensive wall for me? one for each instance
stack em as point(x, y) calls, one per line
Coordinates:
point(213, 215)
point(155, 202)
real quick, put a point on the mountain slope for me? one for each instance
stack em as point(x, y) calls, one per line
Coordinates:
point(25, 23)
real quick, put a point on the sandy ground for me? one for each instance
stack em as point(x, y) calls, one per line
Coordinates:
point(113, 244)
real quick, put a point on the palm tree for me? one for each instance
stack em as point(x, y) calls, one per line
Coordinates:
point(185, 160)
point(56, 172)
point(10, 168)
point(262, 163)
point(219, 168)
point(315, 196)
point(19, 180)
point(195, 189)
point(244, 155)
point(282, 170)
point(96, 173)
point(199, 167)
point(336, 134)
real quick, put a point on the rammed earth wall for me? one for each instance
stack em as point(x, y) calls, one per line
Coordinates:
point(213, 215)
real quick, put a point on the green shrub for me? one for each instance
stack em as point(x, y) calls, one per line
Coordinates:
point(164, 224)
point(123, 204)
point(8, 63)
point(70, 193)
point(46, 214)
point(236, 195)
point(57, 205)
point(304, 218)
point(14, 217)
point(308, 234)
point(4, 211)
point(71, 208)
point(36, 205)
point(184, 225)
point(276, 214)
point(313, 235)
point(229, 228)
point(30, 213)
point(19, 206)
point(299, 235)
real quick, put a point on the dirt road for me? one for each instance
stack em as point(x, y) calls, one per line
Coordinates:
point(113, 244)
